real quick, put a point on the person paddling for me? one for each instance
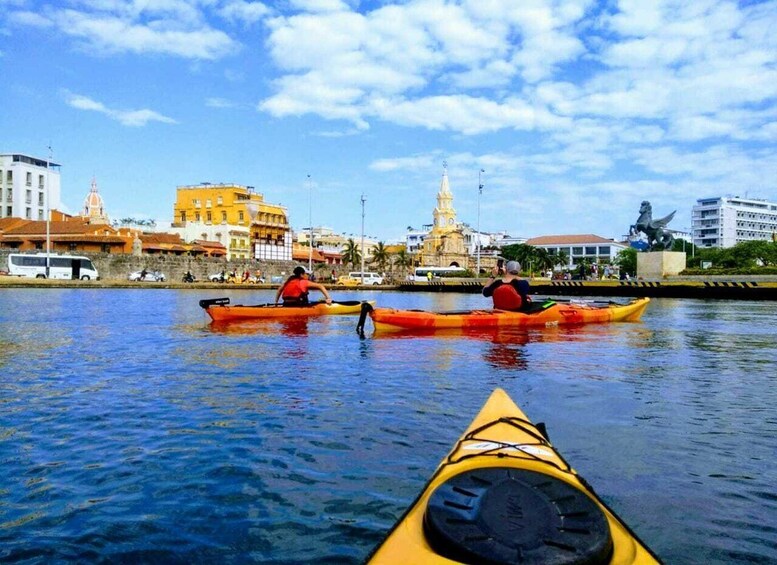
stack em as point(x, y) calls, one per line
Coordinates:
point(510, 292)
point(295, 290)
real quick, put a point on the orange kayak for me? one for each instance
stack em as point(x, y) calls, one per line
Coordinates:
point(220, 310)
point(549, 313)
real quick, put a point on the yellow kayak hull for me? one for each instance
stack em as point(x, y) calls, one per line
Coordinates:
point(501, 436)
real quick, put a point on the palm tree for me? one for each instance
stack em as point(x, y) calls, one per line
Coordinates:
point(351, 253)
point(380, 256)
point(543, 259)
point(403, 260)
point(561, 259)
point(520, 252)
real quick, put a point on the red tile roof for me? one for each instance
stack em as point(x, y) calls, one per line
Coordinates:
point(580, 239)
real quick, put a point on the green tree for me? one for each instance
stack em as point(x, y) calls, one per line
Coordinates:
point(380, 256)
point(542, 259)
point(519, 252)
point(561, 259)
point(351, 253)
point(403, 260)
point(627, 261)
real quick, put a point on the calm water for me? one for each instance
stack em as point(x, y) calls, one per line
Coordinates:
point(132, 431)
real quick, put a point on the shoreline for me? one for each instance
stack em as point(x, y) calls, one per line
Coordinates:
point(743, 287)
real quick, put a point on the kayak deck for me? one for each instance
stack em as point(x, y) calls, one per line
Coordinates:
point(504, 450)
point(220, 310)
point(555, 314)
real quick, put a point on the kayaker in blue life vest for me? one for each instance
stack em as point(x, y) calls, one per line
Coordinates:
point(295, 290)
point(507, 289)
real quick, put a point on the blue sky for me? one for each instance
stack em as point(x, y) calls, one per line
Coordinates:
point(577, 110)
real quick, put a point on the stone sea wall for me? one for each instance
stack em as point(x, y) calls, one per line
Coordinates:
point(117, 267)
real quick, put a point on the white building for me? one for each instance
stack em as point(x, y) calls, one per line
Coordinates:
point(25, 184)
point(414, 239)
point(725, 221)
point(587, 247)
point(325, 239)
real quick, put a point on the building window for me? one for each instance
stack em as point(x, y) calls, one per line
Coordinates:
point(577, 251)
point(9, 211)
point(196, 202)
point(40, 199)
point(38, 245)
point(183, 216)
point(196, 216)
point(223, 217)
point(40, 215)
point(29, 179)
point(9, 177)
point(240, 215)
point(219, 200)
point(208, 203)
point(604, 250)
point(28, 197)
point(72, 247)
point(40, 182)
point(590, 250)
point(208, 217)
point(106, 248)
point(9, 196)
point(28, 213)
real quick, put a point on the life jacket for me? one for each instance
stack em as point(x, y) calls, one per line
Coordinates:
point(507, 298)
point(296, 291)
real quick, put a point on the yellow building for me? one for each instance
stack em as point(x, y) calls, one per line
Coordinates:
point(236, 216)
point(444, 245)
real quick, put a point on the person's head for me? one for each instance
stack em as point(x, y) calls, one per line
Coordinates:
point(299, 271)
point(513, 267)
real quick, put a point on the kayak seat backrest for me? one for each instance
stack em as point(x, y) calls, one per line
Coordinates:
point(507, 298)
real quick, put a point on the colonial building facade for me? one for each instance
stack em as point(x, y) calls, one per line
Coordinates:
point(236, 216)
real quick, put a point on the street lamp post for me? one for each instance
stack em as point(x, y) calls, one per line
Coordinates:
point(310, 223)
point(480, 191)
point(362, 244)
point(48, 213)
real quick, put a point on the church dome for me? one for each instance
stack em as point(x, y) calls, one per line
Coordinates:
point(94, 209)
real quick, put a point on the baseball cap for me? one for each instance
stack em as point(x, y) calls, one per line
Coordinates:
point(513, 267)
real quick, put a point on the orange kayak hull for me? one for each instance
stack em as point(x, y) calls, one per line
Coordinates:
point(228, 313)
point(389, 319)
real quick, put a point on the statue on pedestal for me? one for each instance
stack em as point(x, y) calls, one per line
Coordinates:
point(658, 239)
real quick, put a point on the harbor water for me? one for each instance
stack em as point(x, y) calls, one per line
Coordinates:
point(132, 430)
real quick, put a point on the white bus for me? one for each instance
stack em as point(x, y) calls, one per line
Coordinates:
point(60, 266)
point(422, 273)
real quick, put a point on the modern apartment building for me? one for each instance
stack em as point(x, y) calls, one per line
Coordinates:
point(727, 220)
point(25, 185)
point(236, 216)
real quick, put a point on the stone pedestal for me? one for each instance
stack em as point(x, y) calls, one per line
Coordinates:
point(659, 264)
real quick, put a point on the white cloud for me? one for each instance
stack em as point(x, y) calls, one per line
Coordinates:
point(400, 61)
point(242, 11)
point(131, 118)
point(172, 27)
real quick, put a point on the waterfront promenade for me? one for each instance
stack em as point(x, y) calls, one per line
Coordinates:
point(735, 287)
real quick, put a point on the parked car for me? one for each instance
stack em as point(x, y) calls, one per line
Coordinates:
point(217, 277)
point(152, 276)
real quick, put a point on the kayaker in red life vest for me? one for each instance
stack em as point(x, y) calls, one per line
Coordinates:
point(509, 292)
point(295, 290)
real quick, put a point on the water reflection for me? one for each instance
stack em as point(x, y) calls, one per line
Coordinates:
point(291, 327)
